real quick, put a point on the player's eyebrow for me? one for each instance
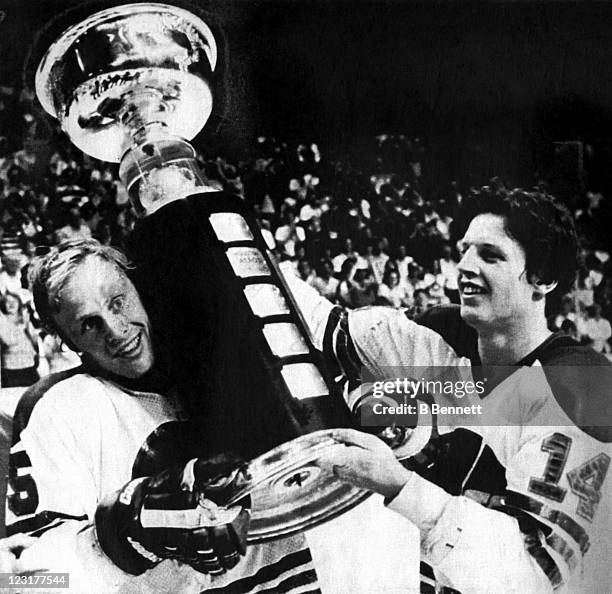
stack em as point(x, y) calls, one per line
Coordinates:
point(480, 244)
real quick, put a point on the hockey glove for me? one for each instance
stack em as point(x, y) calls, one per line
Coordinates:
point(178, 514)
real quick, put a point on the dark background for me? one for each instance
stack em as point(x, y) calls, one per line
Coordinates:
point(487, 86)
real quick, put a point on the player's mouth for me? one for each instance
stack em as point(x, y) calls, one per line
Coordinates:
point(130, 348)
point(470, 289)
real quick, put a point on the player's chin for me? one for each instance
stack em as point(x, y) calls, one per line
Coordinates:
point(471, 314)
point(134, 367)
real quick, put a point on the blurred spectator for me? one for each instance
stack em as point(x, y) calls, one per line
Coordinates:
point(57, 355)
point(597, 329)
point(324, 282)
point(356, 288)
point(347, 252)
point(421, 302)
point(19, 343)
point(10, 277)
point(403, 262)
point(75, 229)
point(289, 234)
point(346, 283)
point(567, 312)
point(569, 328)
point(437, 294)
point(583, 291)
point(364, 289)
point(378, 260)
point(305, 271)
point(392, 292)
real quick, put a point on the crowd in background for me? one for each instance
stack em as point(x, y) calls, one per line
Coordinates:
point(361, 231)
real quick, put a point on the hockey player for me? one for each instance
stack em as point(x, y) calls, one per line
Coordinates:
point(546, 416)
point(80, 471)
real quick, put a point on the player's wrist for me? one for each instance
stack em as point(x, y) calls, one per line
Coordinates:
point(396, 482)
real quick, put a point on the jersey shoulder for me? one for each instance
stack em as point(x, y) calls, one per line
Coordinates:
point(34, 394)
point(446, 321)
point(580, 380)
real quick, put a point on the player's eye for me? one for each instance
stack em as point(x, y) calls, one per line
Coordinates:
point(490, 255)
point(89, 324)
point(117, 303)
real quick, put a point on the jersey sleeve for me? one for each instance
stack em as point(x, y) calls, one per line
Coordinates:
point(380, 340)
point(472, 548)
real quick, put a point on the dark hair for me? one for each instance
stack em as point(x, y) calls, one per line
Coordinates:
point(539, 223)
point(387, 276)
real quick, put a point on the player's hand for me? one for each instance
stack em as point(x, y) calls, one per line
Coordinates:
point(178, 514)
point(365, 462)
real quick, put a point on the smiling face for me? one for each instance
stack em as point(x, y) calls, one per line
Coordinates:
point(102, 315)
point(495, 292)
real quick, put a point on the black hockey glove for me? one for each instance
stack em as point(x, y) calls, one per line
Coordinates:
point(178, 514)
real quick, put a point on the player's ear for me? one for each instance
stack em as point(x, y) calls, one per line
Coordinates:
point(66, 340)
point(542, 288)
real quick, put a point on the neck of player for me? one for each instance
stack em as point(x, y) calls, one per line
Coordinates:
point(508, 344)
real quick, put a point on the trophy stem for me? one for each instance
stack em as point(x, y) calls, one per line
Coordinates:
point(158, 167)
point(142, 108)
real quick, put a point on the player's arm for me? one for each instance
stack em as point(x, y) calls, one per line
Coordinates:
point(371, 339)
point(471, 547)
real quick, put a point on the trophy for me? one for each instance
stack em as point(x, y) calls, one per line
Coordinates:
point(132, 84)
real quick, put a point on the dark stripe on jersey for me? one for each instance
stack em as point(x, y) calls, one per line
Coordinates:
point(268, 573)
point(40, 520)
point(446, 321)
point(559, 545)
point(561, 519)
point(294, 581)
point(428, 580)
point(427, 571)
point(543, 559)
point(328, 343)
point(526, 524)
point(347, 355)
point(341, 355)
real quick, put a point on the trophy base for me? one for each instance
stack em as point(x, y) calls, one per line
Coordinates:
point(291, 492)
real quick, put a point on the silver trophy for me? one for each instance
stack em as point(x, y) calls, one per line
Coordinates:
point(129, 84)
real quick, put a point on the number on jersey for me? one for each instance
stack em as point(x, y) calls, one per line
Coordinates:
point(585, 481)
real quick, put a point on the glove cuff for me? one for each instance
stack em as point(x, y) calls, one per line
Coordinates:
point(114, 517)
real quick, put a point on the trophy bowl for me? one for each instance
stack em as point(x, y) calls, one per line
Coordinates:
point(127, 67)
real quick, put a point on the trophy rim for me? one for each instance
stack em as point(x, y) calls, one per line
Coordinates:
point(70, 35)
point(268, 470)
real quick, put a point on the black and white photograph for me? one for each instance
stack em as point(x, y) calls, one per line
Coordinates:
point(308, 296)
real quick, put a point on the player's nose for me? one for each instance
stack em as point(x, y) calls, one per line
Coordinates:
point(116, 328)
point(468, 265)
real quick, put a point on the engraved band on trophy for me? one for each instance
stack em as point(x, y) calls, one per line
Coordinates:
point(130, 84)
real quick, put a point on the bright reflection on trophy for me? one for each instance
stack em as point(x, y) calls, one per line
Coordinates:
point(130, 84)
